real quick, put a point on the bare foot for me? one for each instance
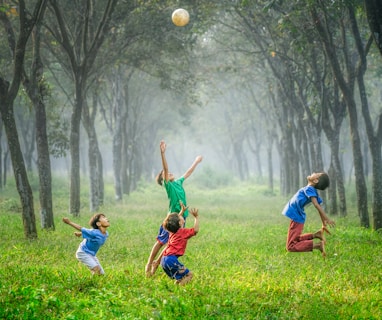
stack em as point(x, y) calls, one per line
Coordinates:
point(320, 235)
point(186, 279)
point(322, 248)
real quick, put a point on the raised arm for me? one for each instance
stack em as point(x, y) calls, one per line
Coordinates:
point(195, 213)
point(191, 169)
point(164, 161)
point(183, 208)
point(74, 225)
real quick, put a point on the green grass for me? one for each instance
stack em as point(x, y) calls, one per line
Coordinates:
point(241, 269)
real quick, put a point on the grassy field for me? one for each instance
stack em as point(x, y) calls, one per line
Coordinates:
point(241, 269)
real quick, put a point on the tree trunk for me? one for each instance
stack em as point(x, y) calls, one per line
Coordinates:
point(94, 157)
point(374, 139)
point(8, 93)
point(1, 154)
point(82, 55)
point(375, 151)
point(270, 160)
point(44, 169)
point(36, 90)
point(374, 17)
point(348, 93)
point(75, 183)
point(339, 177)
point(20, 173)
point(118, 130)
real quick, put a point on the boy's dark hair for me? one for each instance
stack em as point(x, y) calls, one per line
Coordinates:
point(94, 219)
point(171, 223)
point(323, 182)
point(159, 178)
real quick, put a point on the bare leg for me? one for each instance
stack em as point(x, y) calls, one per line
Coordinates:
point(153, 254)
point(155, 264)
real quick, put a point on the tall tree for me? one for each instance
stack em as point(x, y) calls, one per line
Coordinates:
point(37, 90)
point(374, 136)
point(74, 34)
point(345, 80)
point(8, 93)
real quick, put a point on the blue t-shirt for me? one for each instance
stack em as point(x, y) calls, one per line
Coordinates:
point(294, 209)
point(93, 240)
point(176, 192)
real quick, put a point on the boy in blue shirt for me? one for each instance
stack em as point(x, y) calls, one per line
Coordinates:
point(294, 210)
point(93, 240)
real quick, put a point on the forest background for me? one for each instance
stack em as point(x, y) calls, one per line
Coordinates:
point(265, 90)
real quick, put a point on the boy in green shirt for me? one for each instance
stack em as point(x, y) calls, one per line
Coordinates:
point(176, 195)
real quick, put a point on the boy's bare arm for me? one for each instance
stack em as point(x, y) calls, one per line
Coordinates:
point(195, 213)
point(162, 146)
point(324, 218)
point(191, 169)
point(74, 225)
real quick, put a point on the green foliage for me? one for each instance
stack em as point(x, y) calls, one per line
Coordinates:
point(241, 269)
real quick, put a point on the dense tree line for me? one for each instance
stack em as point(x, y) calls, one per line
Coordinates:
point(260, 79)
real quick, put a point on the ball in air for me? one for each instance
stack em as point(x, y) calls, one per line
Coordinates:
point(180, 17)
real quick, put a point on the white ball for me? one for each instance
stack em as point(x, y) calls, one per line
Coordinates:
point(180, 17)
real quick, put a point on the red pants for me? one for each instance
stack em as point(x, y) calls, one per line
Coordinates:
point(298, 242)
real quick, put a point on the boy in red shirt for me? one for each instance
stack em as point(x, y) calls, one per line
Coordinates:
point(177, 243)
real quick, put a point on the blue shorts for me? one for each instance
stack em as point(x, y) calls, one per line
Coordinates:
point(173, 268)
point(163, 234)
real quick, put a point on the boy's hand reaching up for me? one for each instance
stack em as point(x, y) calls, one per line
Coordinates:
point(162, 146)
point(194, 212)
point(183, 207)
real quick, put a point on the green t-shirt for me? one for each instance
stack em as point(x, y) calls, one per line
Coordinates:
point(175, 192)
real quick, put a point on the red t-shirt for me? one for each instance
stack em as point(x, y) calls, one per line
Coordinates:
point(178, 241)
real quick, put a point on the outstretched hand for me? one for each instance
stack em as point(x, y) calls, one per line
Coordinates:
point(162, 146)
point(330, 223)
point(194, 212)
point(198, 159)
point(66, 220)
point(183, 208)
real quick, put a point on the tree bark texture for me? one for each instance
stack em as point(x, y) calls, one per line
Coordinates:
point(374, 17)
point(23, 187)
